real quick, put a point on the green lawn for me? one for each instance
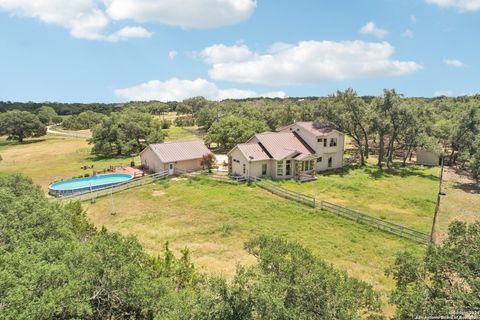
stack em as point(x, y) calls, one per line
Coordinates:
point(183, 134)
point(214, 219)
point(50, 158)
point(404, 195)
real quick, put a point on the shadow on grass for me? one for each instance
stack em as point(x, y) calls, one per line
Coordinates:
point(398, 170)
point(473, 188)
point(12, 143)
point(98, 158)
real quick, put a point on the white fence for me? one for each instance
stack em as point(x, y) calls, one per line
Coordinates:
point(93, 194)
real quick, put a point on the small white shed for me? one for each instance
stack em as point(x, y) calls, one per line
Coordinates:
point(428, 157)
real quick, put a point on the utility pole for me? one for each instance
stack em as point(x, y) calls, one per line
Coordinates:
point(437, 205)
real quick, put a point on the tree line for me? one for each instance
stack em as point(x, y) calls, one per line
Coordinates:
point(389, 126)
point(55, 264)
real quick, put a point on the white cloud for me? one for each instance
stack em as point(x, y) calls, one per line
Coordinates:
point(453, 63)
point(172, 54)
point(408, 34)
point(440, 93)
point(220, 53)
point(313, 62)
point(185, 13)
point(90, 19)
point(176, 90)
point(81, 17)
point(371, 28)
point(129, 32)
point(461, 5)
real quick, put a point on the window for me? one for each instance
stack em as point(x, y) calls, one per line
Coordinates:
point(288, 168)
point(264, 169)
point(319, 139)
point(306, 165)
point(333, 142)
point(244, 168)
point(324, 142)
point(330, 161)
point(319, 159)
point(279, 168)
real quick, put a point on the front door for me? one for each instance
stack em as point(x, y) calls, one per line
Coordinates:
point(171, 168)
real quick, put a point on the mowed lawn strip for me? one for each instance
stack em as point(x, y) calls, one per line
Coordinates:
point(406, 195)
point(214, 219)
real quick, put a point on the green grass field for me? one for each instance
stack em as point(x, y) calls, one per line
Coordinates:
point(182, 134)
point(214, 219)
point(50, 159)
point(403, 195)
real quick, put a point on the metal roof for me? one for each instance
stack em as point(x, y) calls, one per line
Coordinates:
point(179, 151)
point(283, 144)
point(253, 151)
point(315, 127)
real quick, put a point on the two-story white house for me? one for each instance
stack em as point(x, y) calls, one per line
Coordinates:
point(295, 151)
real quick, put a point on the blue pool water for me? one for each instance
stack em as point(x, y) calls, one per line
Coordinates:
point(89, 183)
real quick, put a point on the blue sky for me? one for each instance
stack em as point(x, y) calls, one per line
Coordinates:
point(120, 50)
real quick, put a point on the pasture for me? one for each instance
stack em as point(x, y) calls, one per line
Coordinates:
point(214, 219)
point(404, 195)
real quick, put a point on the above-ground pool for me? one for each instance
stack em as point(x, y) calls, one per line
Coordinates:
point(67, 187)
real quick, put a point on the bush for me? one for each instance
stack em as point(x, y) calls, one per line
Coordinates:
point(184, 121)
point(166, 123)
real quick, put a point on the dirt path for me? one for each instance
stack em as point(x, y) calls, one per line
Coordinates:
point(461, 202)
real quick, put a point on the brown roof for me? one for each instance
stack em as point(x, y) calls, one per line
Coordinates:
point(283, 144)
point(253, 151)
point(315, 127)
point(179, 151)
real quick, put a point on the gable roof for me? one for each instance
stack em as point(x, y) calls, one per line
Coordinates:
point(283, 144)
point(253, 151)
point(179, 151)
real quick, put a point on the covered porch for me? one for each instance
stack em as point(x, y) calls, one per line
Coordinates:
point(305, 168)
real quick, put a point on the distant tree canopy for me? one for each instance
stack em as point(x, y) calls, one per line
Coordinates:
point(125, 133)
point(18, 125)
point(84, 120)
point(55, 264)
point(48, 115)
point(446, 281)
point(390, 126)
point(231, 130)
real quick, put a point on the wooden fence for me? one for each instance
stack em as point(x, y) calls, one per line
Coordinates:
point(285, 193)
point(377, 223)
point(51, 130)
point(93, 194)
